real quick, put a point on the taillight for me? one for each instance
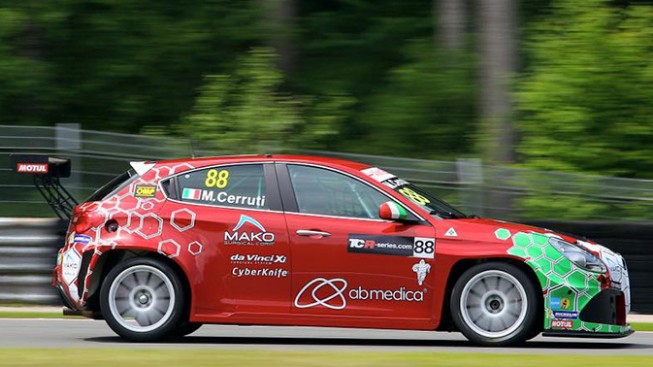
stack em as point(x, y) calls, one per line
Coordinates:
point(83, 224)
point(88, 220)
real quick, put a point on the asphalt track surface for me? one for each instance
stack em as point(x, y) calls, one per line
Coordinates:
point(79, 333)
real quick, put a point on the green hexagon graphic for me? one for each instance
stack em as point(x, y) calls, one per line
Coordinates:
point(545, 265)
point(559, 292)
point(518, 251)
point(556, 279)
point(562, 268)
point(565, 286)
point(577, 279)
point(540, 240)
point(521, 239)
point(583, 300)
point(502, 234)
point(552, 253)
point(535, 252)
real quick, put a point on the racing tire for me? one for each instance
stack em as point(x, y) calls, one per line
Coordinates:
point(185, 328)
point(142, 300)
point(495, 304)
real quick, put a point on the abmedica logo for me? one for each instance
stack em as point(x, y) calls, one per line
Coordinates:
point(400, 294)
point(239, 237)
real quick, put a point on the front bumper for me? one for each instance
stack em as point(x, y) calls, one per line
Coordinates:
point(603, 314)
point(577, 302)
point(587, 334)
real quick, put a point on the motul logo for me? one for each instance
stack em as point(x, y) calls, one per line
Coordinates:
point(32, 168)
point(562, 324)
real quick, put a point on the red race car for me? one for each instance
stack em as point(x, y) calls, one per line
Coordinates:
point(299, 240)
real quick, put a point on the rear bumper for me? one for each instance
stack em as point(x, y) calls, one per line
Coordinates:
point(67, 302)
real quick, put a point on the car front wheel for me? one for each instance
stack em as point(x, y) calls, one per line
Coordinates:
point(142, 299)
point(495, 304)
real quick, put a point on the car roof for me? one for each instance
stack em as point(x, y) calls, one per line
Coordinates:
point(327, 161)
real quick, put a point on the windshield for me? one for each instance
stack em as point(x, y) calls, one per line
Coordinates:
point(428, 202)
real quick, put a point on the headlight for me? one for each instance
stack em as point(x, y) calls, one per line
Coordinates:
point(578, 255)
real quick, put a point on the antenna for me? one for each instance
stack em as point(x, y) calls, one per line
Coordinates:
point(192, 148)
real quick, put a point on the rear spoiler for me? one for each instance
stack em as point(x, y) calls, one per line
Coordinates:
point(46, 171)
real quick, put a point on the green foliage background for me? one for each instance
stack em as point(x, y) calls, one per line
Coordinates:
point(585, 100)
point(367, 77)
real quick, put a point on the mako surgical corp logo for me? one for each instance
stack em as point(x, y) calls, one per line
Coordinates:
point(239, 237)
point(333, 294)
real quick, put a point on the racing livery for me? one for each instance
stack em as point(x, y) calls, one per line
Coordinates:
point(314, 241)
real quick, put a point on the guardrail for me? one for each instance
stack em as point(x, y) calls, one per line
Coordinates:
point(28, 248)
point(495, 191)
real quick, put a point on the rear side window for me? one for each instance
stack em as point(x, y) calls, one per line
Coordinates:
point(113, 186)
point(240, 186)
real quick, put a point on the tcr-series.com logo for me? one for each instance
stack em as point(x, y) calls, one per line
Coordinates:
point(240, 237)
point(333, 294)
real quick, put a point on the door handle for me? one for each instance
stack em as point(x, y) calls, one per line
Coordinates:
point(311, 233)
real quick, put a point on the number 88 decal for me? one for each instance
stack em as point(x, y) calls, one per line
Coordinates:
point(424, 247)
point(215, 178)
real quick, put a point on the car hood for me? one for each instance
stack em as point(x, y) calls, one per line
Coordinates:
point(485, 229)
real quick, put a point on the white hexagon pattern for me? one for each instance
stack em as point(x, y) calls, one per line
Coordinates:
point(177, 213)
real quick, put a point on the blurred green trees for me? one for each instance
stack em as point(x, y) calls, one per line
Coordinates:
point(585, 101)
point(408, 78)
point(246, 111)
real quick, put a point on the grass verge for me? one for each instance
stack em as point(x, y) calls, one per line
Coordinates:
point(17, 314)
point(220, 358)
point(33, 315)
point(642, 326)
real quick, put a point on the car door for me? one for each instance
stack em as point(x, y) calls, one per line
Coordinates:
point(346, 261)
point(243, 266)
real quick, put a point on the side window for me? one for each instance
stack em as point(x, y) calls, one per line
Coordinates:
point(320, 191)
point(235, 186)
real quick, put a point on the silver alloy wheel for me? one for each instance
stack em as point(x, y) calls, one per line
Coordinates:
point(141, 298)
point(493, 304)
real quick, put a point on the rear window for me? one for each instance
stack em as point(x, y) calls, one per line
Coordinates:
point(113, 186)
point(240, 186)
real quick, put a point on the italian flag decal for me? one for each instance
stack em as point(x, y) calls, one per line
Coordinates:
point(392, 210)
point(193, 194)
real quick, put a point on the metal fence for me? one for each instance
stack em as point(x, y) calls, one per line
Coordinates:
point(28, 249)
point(506, 192)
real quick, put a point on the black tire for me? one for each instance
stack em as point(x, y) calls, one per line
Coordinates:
point(516, 301)
point(137, 268)
point(185, 328)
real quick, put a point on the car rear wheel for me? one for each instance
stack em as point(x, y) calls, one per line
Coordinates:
point(495, 304)
point(142, 299)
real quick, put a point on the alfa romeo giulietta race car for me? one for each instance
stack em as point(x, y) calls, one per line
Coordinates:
point(299, 240)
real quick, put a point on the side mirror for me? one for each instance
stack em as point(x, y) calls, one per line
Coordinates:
point(392, 211)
